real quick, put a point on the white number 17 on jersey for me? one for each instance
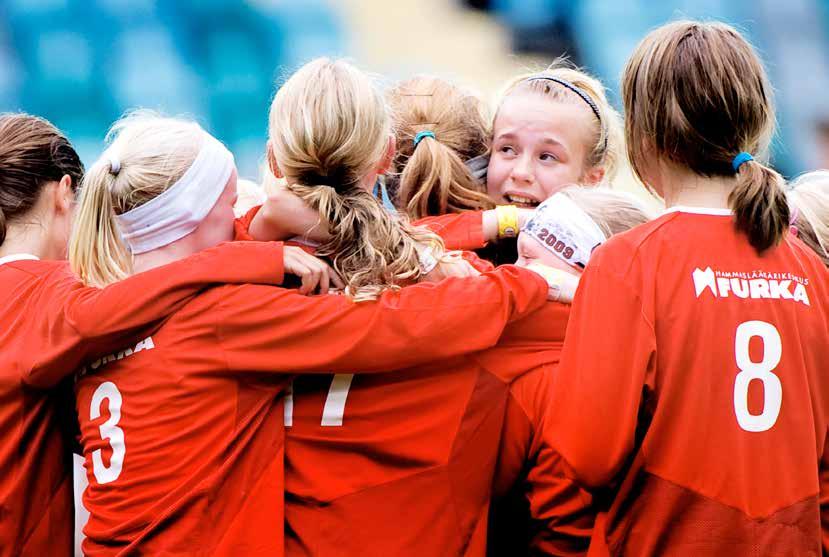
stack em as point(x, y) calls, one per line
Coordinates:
point(334, 409)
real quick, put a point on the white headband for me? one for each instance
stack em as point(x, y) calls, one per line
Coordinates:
point(561, 227)
point(183, 206)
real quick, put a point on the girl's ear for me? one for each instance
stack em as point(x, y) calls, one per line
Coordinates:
point(388, 158)
point(64, 195)
point(593, 177)
point(272, 162)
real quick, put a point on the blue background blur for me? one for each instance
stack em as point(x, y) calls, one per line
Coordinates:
point(82, 63)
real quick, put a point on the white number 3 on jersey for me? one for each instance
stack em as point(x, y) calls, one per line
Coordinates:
point(109, 430)
point(762, 370)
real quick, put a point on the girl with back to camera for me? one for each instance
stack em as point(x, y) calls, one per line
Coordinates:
point(360, 448)
point(182, 428)
point(53, 323)
point(692, 391)
point(439, 127)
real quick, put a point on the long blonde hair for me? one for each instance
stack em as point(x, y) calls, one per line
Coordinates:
point(606, 148)
point(697, 95)
point(330, 130)
point(809, 203)
point(433, 176)
point(154, 152)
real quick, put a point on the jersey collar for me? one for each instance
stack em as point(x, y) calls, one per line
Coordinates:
point(18, 257)
point(716, 211)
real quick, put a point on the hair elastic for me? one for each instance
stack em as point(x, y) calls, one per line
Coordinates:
point(795, 212)
point(740, 159)
point(420, 135)
point(114, 165)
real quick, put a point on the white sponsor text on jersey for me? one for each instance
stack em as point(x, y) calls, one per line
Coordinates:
point(753, 284)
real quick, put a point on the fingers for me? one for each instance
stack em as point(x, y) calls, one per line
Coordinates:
point(561, 285)
point(338, 282)
point(314, 273)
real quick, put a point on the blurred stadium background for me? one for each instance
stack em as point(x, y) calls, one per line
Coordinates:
point(82, 63)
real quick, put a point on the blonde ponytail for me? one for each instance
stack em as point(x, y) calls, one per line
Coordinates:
point(433, 176)
point(152, 153)
point(330, 128)
point(372, 250)
point(97, 253)
point(435, 181)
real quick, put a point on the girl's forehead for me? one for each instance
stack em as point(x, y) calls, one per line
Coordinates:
point(532, 111)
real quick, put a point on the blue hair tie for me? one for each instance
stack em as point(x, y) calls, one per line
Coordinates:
point(740, 159)
point(421, 135)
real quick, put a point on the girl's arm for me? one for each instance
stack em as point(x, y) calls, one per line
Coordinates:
point(80, 322)
point(278, 331)
point(473, 230)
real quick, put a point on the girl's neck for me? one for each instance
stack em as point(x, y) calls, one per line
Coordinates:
point(163, 255)
point(688, 189)
point(32, 239)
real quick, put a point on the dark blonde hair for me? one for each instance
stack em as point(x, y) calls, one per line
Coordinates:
point(697, 94)
point(606, 148)
point(32, 153)
point(433, 176)
point(329, 130)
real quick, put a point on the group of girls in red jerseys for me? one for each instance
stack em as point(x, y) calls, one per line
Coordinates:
point(331, 376)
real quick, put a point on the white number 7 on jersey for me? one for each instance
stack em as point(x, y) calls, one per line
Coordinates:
point(334, 409)
point(762, 370)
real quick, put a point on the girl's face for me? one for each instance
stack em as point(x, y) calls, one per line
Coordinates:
point(530, 251)
point(539, 146)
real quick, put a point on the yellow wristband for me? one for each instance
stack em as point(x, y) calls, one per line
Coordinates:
point(507, 221)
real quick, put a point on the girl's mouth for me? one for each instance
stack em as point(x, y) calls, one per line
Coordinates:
point(521, 201)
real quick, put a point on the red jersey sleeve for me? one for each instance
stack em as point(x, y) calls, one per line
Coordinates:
point(480, 265)
point(280, 331)
point(463, 231)
point(561, 512)
point(598, 387)
point(81, 322)
point(242, 224)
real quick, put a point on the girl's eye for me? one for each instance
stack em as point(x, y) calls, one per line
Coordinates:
point(507, 149)
point(547, 157)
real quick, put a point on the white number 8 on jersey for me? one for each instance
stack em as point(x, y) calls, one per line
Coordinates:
point(762, 370)
point(109, 430)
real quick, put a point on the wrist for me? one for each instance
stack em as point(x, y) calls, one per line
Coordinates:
point(507, 216)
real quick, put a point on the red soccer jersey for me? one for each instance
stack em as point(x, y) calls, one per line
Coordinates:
point(51, 323)
point(459, 231)
point(538, 509)
point(402, 464)
point(183, 432)
point(693, 384)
